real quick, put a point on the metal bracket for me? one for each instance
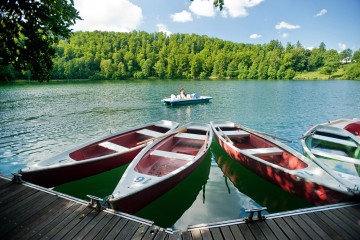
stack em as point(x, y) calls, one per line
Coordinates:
point(96, 202)
point(17, 178)
point(251, 212)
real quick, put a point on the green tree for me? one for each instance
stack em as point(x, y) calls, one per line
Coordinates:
point(353, 71)
point(29, 28)
point(347, 53)
point(159, 68)
point(232, 70)
point(331, 62)
point(356, 56)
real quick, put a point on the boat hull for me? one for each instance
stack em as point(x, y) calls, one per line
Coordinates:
point(295, 181)
point(177, 102)
point(94, 157)
point(335, 147)
point(161, 166)
point(50, 177)
point(134, 202)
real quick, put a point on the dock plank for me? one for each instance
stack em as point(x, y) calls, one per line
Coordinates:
point(161, 235)
point(339, 231)
point(332, 214)
point(226, 232)
point(60, 223)
point(296, 228)
point(256, 231)
point(186, 236)
point(313, 225)
point(216, 233)
point(275, 229)
point(196, 235)
point(236, 232)
point(128, 231)
point(81, 223)
point(90, 225)
point(42, 219)
point(325, 226)
point(30, 212)
point(106, 228)
point(116, 229)
point(16, 221)
point(245, 230)
point(65, 227)
point(205, 234)
point(351, 219)
point(15, 201)
point(289, 232)
point(140, 232)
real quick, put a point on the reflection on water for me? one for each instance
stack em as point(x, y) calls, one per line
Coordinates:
point(38, 121)
point(261, 191)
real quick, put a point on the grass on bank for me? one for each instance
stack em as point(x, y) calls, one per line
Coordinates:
point(316, 75)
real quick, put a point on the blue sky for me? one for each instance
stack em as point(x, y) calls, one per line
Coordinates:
point(334, 22)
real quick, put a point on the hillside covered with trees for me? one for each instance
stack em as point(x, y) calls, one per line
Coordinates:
point(140, 55)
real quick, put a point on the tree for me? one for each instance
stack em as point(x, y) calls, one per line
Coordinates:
point(331, 62)
point(356, 56)
point(347, 53)
point(29, 29)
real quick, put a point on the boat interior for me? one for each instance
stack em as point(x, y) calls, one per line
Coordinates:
point(340, 153)
point(118, 144)
point(173, 153)
point(257, 147)
point(334, 144)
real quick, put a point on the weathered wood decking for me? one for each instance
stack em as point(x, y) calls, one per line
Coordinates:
point(30, 212)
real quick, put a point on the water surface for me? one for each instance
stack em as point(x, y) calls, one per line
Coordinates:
point(40, 120)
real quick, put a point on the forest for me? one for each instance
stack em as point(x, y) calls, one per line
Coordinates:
point(139, 55)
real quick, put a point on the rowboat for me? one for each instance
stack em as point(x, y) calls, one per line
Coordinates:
point(335, 146)
point(96, 156)
point(278, 163)
point(160, 166)
point(189, 99)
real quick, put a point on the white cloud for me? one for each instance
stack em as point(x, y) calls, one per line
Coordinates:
point(284, 35)
point(322, 12)
point(285, 25)
point(202, 8)
point(162, 28)
point(255, 36)
point(238, 8)
point(108, 15)
point(342, 46)
point(183, 16)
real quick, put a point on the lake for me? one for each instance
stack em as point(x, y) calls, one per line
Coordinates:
point(40, 120)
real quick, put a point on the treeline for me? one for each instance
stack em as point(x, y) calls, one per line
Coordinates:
point(141, 55)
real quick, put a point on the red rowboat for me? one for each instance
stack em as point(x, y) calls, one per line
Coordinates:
point(94, 157)
point(279, 163)
point(160, 166)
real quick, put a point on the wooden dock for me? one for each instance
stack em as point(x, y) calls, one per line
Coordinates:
point(31, 212)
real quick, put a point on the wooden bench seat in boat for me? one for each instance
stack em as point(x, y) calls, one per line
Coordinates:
point(335, 156)
point(114, 147)
point(335, 140)
point(263, 151)
point(150, 133)
point(167, 154)
point(236, 133)
point(191, 136)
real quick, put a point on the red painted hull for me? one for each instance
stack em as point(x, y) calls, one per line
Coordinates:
point(133, 203)
point(160, 167)
point(51, 177)
point(289, 180)
point(94, 157)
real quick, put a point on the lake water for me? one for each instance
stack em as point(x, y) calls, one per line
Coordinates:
point(40, 120)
